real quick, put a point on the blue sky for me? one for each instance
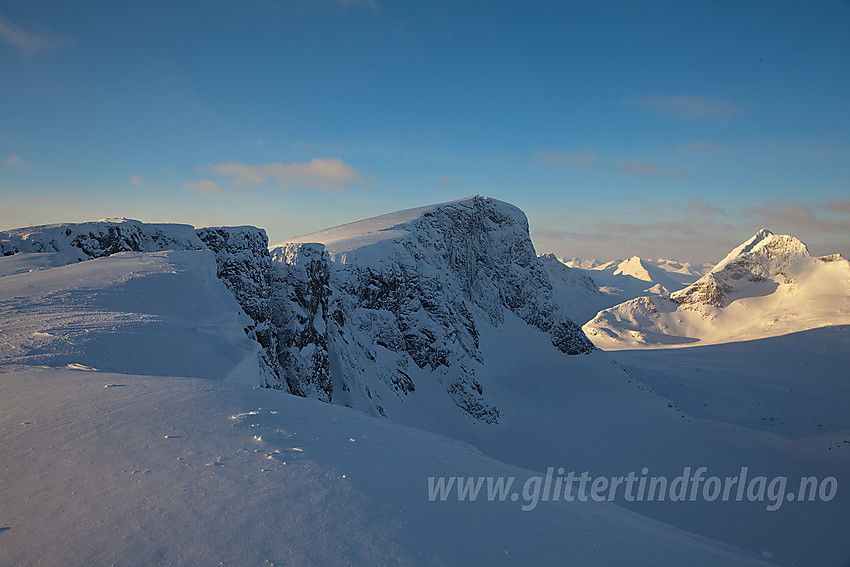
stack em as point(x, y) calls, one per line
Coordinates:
point(673, 129)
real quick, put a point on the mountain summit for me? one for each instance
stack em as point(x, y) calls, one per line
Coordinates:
point(408, 295)
point(769, 285)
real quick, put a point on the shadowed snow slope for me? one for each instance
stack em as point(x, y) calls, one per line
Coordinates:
point(103, 469)
point(161, 313)
point(768, 286)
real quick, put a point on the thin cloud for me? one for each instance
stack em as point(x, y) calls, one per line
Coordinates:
point(691, 240)
point(644, 169)
point(717, 110)
point(203, 185)
point(797, 219)
point(14, 160)
point(700, 148)
point(28, 42)
point(444, 180)
point(698, 206)
point(695, 231)
point(837, 207)
point(319, 173)
point(136, 181)
point(587, 159)
point(55, 200)
point(584, 159)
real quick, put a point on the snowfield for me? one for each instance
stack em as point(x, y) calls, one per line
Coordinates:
point(134, 430)
point(103, 469)
point(768, 286)
point(160, 313)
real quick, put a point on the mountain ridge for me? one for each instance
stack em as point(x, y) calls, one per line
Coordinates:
point(768, 285)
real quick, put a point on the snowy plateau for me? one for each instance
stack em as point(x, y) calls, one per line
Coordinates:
point(181, 396)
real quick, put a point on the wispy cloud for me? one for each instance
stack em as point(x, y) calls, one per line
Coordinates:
point(697, 206)
point(644, 169)
point(700, 148)
point(824, 235)
point(800, 220)
point(717, 110)
point(319, 173)
point(444, 180)
point(587, 159)
point(14, 160)
point(203, 185)
point(584, 159)
point(136, 181)
point(687, 239)
point(28, 42)
point(837, 207)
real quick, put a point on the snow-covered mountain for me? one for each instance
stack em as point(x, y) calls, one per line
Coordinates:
point(75, 242)
point(575, 291)
point(622, 280)
point(442, 318)
point(363, 314)
point(409, 294)
point(769, 285)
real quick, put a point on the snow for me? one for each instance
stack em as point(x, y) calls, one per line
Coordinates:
point(74, 242)
point(130, 312)
point(342, 241)
point(133, 430)
point(782, 397)
point(768, 286)
point(621, 280)
point(193, 472)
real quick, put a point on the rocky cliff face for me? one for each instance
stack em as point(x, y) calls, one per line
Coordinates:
point(407, 301)
point(244, 265)
point(84, 241)
point(301, 294)
point(374, 311)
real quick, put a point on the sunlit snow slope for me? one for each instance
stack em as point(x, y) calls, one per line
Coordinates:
point(768, 286)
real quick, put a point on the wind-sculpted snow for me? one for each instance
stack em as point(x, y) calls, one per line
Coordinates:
point(242, 262)
point(158, 313)
point(770, 285)
point(244, 265)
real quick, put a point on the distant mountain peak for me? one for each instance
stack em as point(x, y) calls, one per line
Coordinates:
point(764, 246)
point(634, 267)
point(767, 286)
